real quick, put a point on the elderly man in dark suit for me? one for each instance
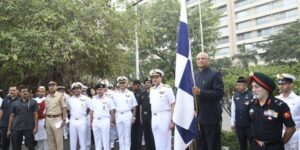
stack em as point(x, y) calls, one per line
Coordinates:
point(209, 91)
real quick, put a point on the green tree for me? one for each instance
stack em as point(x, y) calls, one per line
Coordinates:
point(245, 57)
point(284, 46)
point(62, 40)
point(158, 29)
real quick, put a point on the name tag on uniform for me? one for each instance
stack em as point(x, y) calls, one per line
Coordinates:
point(247, 103)
point(161, 92)
point(127, 95)
point(82, 100)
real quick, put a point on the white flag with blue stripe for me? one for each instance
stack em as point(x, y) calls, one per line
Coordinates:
point(184, 119)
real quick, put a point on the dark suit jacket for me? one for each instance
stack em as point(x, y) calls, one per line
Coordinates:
point(211, 87)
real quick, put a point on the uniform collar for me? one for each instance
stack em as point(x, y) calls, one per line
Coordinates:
point(125, 91)
point(267, 102)
point(291, 96)
point(159, 86)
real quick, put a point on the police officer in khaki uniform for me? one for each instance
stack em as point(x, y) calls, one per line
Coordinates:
point(162, 102)
point(56, 114)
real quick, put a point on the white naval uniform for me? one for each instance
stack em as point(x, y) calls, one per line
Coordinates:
point(1, 100)
point(161, 99)
point(78, 121)
point(66, 127)
point(41, 134)
point(113, 133)
point(124, 102)
point(293, 101)
point(101, 107)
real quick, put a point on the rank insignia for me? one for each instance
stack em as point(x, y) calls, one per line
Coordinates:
point(287, 115)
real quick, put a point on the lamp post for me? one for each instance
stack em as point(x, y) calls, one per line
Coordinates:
point(137, 59)
point(201, 26)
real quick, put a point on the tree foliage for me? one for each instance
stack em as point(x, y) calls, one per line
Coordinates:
point(284, 46)
point(158, 28)
point(232, 75)
point(62, 40)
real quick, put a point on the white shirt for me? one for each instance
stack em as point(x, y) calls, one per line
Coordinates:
point(101, 106)
point(232, 112)
point(124, 100)
point(1, 100)
point(293, 101)
point(161, 98)
point(109, 93)
point(78, 106)
point(39, 100)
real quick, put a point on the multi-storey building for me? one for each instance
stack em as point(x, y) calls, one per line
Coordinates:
point(250, 22)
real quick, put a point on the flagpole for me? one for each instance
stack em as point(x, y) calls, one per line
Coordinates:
point(137, 65)
point(201, 27)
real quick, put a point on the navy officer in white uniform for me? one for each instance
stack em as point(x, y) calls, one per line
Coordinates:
point(125, 103)
point(285, 84)
point(162, 100)
point(102, 117)
point(78, 105)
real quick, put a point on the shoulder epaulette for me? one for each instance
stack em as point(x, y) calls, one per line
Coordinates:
point(166, 85)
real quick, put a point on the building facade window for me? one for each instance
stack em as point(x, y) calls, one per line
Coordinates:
point(222, 51)
point(263, 20)
point(244, 36)
point(244, 25)
point(224, 20)
point(263, 8)
point(288, 3)
point(241, 3)
point(223, 40)
point(222, 9)
point(241, 14)
point(223, 31)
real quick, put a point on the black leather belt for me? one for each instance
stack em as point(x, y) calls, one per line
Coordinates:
point(267, 143)
point(146, 112)
point(53, 116)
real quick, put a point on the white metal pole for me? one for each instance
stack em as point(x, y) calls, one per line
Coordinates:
point(137, 59)
point(201, 26)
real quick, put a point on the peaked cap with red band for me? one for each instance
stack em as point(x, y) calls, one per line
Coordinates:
point(263, 80)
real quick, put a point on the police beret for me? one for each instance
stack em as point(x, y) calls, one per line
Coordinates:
point(285, 78)
point(241, 80)
point(263, 80)
point(77, 85)
point(156, 72)
point(52, 83)
point(122, 79)
point(100, 85)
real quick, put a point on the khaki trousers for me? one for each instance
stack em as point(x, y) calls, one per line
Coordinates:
point(54, 135)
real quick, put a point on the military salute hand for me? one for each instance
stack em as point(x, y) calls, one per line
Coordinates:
point(196, 91)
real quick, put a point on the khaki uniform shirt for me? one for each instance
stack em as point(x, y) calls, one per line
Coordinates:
point(55, 104)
